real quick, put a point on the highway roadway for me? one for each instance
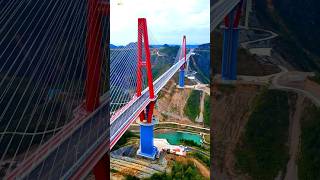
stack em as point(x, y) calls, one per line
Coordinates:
point(72, 150)
point(271, 36)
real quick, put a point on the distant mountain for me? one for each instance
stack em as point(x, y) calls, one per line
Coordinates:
point(297, 23)
point(192, 46)
point(200, 62)
point(113, 46)
point(188, 46)
point(302, 18)
point(159, 45)
point(204, 46)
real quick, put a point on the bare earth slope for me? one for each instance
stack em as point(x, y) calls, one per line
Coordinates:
point(230, 113)
point(171, 103)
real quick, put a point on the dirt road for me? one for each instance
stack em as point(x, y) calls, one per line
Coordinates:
point(295, 131)
point(202, 168)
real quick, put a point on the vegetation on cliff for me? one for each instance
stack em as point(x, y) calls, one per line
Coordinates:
point(200, 62)
point(124, 139)
point(309, 158)
point(192, 107)
point(189, 143)
point(202, 158)
point(186, 171)
point(163, 63)
point(263, 152)
point(206, 111)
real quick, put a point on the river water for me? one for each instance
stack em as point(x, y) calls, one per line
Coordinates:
point(175, 137)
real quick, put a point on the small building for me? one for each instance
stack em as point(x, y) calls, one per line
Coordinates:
point(164, 145)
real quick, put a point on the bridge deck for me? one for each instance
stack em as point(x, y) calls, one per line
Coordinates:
point(220, 10)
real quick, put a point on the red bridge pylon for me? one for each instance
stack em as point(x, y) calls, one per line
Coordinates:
point(147, 122)
point(183, 55)
point(143, 43)
point(96, 10)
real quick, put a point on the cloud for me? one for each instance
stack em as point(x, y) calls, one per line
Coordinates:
point(168, 20)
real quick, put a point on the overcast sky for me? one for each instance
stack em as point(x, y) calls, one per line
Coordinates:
point(168, 20)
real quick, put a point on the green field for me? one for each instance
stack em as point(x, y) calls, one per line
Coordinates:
point(124, 139)
point(192, 108)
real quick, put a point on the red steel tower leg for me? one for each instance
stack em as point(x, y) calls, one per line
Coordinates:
point(94, 39)
point(143, 42)
point(140, 65)
point(185, 47)
point(96, 10)
point(146, 148)
point(238, 15)
point(102, 169)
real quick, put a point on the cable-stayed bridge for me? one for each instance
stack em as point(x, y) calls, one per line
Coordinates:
point(133, 91)
point(122, 118)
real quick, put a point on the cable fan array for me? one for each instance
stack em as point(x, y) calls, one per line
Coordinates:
point(123, 70)
point(42, 75)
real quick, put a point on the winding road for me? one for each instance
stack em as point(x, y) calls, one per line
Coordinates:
point(286, 80)
point(271, 36)
point(297, 82)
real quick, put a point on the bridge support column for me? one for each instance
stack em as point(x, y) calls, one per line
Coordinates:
point(230, 44)
point(229, 54)
point(181, 78)
point(147, 148)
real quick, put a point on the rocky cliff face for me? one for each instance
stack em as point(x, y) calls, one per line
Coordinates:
point(171, 102)
point(231, 108)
